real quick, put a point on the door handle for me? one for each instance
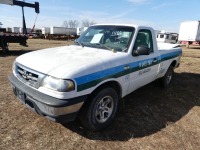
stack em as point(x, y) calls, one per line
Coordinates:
point(155, 59)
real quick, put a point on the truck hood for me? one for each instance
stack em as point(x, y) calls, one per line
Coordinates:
point(60, 61)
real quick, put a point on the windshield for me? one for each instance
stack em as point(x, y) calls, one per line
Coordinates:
point(107, 37)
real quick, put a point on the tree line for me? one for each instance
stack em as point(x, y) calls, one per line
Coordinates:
point(76, 23)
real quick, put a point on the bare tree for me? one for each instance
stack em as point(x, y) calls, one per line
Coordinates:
point(1, 24)
point(73, 23)
point(70, 24)
point(87, 23)
point(65, 24)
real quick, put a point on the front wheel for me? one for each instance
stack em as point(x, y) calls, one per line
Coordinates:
point(101, 110)
point(167, 78)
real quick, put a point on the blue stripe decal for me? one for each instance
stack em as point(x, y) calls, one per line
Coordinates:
point(100, 74)
point(111, 71)
point(107, 72)
point(177, 53)
point(136, 64)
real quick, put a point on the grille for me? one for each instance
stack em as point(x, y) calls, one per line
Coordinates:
point(27, 76)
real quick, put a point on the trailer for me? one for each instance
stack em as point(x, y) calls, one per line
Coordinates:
point(189, 33)
point(63, 31)
point(2, 29)
point(59, 33)
point(80, 30)
point(45, 30)
point(167, 37)
point(15, 29)
point(16, 37)
point(11, 38)
point(8, 30)
point(27, 29)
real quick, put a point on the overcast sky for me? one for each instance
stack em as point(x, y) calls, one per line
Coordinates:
point(159, 14)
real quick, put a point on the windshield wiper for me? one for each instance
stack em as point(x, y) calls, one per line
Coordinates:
point(99, 44)
point(81, 44)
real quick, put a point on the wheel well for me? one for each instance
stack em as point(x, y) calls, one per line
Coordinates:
point(113, 84)
point(173, 64)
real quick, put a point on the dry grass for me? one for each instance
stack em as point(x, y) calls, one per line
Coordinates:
point(151, 118)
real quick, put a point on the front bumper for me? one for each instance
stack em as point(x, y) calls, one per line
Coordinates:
point(59, 110)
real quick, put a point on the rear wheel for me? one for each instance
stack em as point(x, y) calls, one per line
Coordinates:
point(101, 110)
point(167, 78)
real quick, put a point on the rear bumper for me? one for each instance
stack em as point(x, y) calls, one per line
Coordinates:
point(59, 110)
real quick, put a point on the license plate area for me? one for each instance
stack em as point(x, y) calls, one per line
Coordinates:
point(20, 95)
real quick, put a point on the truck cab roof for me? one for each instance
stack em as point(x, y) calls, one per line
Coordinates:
point(128, 25)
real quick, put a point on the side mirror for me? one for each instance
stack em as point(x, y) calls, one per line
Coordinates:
point(141, 50)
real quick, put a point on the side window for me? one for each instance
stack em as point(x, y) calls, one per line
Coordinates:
point(162, 36)
point(144, 37)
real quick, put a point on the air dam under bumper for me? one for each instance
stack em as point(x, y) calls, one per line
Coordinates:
point(59, 110)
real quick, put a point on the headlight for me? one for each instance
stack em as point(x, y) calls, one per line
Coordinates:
point(58, 84)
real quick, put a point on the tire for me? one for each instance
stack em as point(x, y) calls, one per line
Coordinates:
point(167, 78)
point(100, 111)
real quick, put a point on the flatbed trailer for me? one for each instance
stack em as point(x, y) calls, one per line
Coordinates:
point(5, 39)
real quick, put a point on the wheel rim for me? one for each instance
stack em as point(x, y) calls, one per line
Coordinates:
point(104, 109)
point(169, 77)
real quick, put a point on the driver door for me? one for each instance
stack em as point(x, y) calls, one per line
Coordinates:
point(145, 67)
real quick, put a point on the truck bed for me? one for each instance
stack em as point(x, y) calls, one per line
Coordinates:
point(167, 46)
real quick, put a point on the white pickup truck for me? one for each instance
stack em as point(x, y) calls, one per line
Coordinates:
point(89, 79)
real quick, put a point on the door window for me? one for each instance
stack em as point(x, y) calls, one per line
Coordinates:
point(144, 38)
